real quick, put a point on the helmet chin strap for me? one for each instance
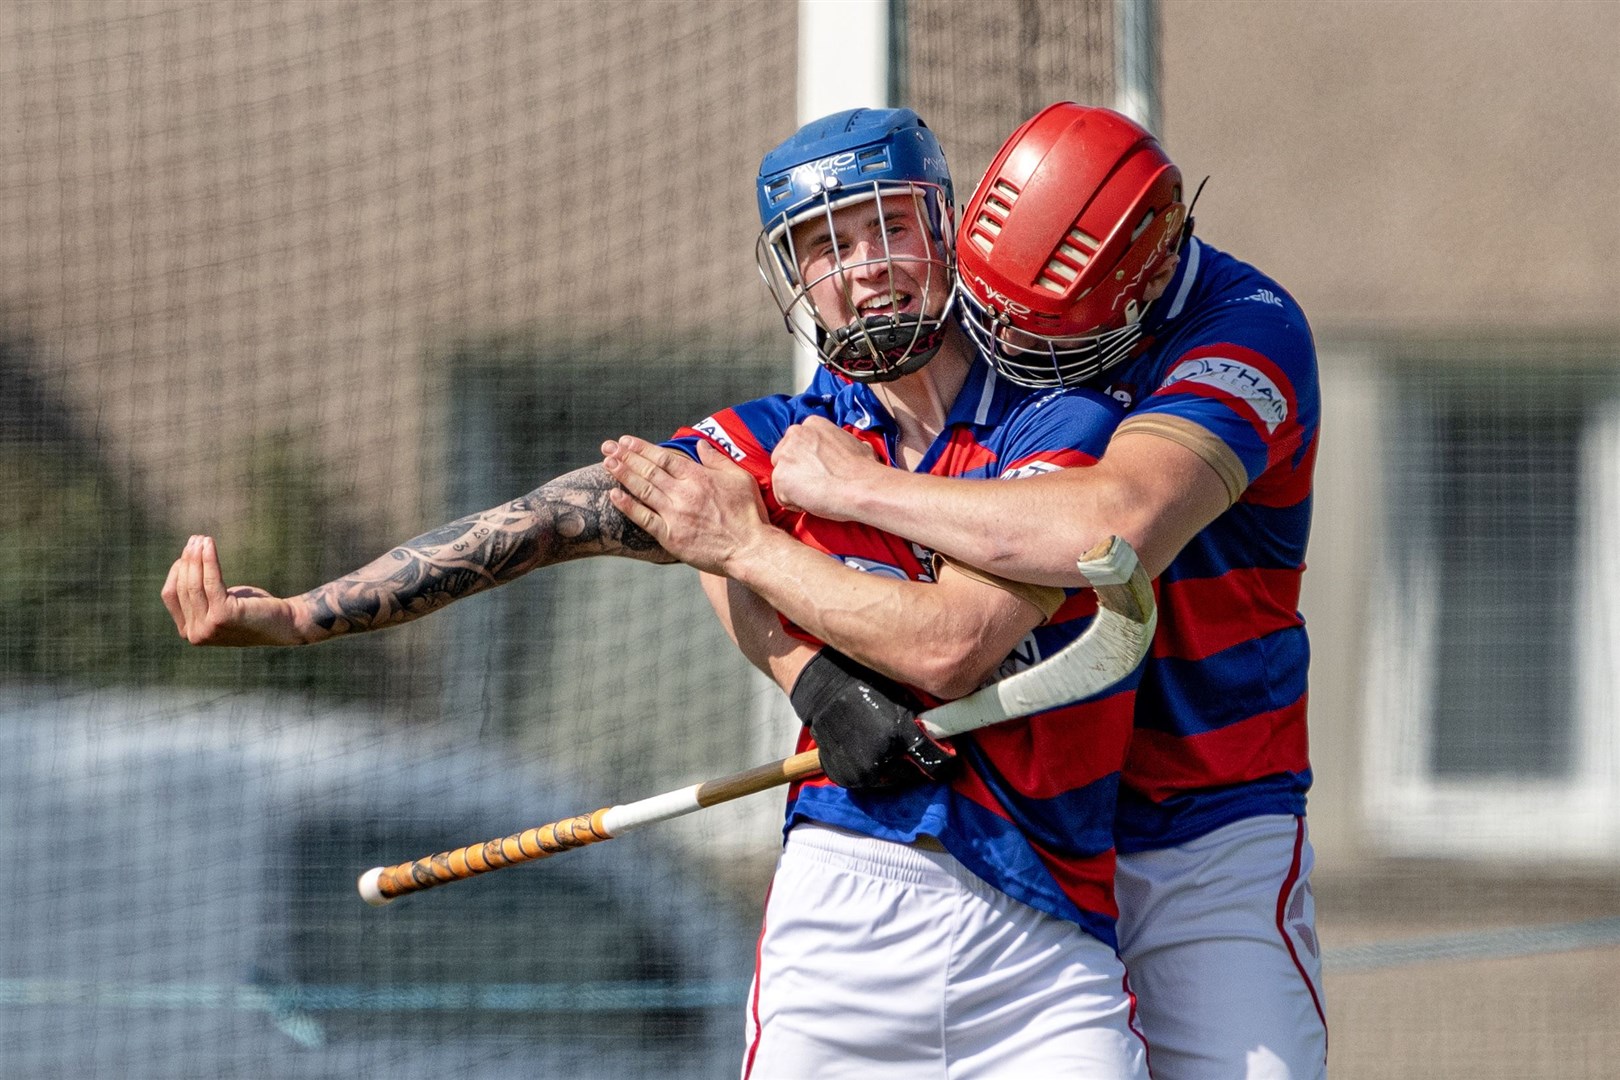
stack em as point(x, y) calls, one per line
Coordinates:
point(901, 344)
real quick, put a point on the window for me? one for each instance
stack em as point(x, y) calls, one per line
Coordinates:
point(1493, 674)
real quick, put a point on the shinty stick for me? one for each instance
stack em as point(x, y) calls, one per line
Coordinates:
point(1108, 651)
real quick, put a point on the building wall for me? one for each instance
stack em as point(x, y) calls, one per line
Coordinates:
point(1407, 165)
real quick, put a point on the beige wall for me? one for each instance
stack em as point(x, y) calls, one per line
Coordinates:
point(1408, 164)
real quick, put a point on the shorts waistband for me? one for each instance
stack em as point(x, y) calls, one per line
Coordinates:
point(921, 863)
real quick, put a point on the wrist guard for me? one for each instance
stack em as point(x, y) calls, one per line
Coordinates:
point(866, 727)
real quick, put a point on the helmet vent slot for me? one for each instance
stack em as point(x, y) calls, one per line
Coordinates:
point(1074, 252)
point(1056, 276)
point(1079, 238)
point(873, 159)
point(776, 189)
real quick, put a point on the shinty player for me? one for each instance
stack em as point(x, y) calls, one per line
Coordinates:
point(935, 907)
point(1078, 267)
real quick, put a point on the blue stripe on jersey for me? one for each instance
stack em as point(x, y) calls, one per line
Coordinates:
point(1052, 822)
point(1145, 825)
point(1248, 536)
point(686, 444)
point(1190, 697)
point(991, 847)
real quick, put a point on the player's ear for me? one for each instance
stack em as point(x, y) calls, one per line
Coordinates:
point(1160, 280)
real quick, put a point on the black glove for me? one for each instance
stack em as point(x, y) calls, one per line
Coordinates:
point(866, 726)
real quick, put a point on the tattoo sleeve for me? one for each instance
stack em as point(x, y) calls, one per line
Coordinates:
point(566, 518)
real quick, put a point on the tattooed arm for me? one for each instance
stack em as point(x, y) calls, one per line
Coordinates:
point(567, 518)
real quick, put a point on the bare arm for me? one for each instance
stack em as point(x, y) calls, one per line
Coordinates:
point(945, 638)
point(755, 628)
point(1150, 491)
point(567, 518)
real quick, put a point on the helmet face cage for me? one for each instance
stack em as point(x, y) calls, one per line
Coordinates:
point(1032, 359)
point(880, 347)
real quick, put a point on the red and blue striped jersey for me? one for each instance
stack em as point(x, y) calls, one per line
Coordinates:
point(1032, 811)
point(1228, 369)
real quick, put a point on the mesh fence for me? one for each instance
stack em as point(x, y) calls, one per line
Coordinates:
point(313, 277)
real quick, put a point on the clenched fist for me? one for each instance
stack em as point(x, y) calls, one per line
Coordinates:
point(817, 465)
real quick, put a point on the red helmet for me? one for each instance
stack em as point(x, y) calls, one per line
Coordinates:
point(1079, 209)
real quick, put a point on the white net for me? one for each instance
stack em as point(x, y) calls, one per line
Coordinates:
point(314, 276)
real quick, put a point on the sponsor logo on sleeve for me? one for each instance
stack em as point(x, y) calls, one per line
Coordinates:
point(1242, 381)
point(718, 436)
point(1031, 468)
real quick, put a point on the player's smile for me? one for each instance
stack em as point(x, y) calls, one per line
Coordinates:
point(885, 303)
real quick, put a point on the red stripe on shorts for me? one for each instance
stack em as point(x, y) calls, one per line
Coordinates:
point(753, 1004)
point(1282, 925)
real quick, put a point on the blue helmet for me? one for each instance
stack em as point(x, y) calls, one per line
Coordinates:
point(896, 321)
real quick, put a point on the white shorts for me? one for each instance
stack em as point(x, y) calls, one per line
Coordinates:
point(1219, 935)
point(883, 960)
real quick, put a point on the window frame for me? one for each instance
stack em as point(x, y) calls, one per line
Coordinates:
point(1410, 810)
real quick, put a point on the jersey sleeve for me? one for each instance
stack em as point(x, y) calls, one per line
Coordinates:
point(746, 433)
point(1058, 429)
point(1246, 403)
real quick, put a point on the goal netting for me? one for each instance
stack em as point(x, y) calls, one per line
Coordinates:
point(313, 276)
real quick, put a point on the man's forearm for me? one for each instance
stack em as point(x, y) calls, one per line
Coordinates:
point(754, 627)
point(1027, 530)
point(943, 638)
point(1148, 491)
point(567, 518)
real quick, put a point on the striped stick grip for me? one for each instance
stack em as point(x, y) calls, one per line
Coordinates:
point(388, 883)
point(384, 883)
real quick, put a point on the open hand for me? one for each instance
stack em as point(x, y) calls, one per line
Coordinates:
point(205, 612)
point(706, 513)
point(816, 465)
